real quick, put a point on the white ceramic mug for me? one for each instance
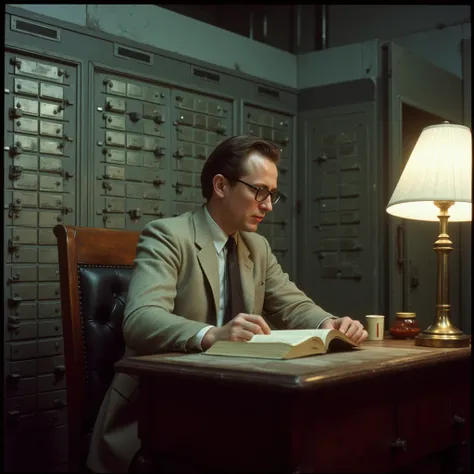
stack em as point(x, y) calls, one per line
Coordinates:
point(375, 327)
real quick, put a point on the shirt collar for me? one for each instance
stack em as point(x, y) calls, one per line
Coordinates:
point(219, 237)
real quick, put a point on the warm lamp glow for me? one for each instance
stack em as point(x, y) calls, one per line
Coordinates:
point(436, 186)
point(439, 169)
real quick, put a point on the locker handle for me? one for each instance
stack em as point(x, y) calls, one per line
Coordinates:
point(221, 130)
point(14, 113)
point(158, 119)
point(15, 172)
point(58, 403)
point(59, 370)
point(321, 158)
point(14, 150)
point(14, 377)
point(13, 246)
point(135, 213)
point(67, 174)
point(178, 187)
point(14, 208)
point(14, 416)
point(13, 320)
point(179, 153)
point(63, 72)
point(14, 301)
point(159, 151)
point(134, 117)
point(13, 326)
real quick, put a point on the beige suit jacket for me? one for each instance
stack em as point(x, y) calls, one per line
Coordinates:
point(174, 292)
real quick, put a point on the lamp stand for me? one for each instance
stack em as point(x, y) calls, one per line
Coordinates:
point(442, 333)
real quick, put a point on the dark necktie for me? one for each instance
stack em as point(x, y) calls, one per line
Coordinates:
point(235, 303)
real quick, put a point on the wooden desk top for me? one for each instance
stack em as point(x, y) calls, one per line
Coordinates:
point(372, 359)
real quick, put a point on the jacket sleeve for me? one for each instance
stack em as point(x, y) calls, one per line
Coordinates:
point(285, 305)
point(149, 325)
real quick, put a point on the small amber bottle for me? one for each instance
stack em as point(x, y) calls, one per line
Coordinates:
point(405, 326)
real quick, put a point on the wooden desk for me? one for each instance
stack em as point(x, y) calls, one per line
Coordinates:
point(389, 406)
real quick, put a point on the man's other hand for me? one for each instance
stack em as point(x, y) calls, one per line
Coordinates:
point(241, 328)
point(351, 328)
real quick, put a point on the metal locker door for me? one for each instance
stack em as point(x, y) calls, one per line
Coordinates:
point(427, 94)
point(40, 191)
point(201, 122)
point(339, 237)
point(278, 227)
point(131, 151)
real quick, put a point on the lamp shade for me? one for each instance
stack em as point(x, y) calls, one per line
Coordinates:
point(439, 169)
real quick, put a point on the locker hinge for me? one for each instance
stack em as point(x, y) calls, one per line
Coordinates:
point(135, 213)
point(14, 301)
point(13, 246)
point(15, 172)
point(14, 209)
point(13, 323)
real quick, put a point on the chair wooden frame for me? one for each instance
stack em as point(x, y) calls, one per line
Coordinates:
point(83, 246)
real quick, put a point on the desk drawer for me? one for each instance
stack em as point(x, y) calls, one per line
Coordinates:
point(461, 413)
point(351, 438)
point(424, 424)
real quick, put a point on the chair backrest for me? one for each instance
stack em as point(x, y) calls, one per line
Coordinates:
point(95, 268)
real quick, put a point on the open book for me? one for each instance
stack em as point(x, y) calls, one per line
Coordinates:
point(286, 344)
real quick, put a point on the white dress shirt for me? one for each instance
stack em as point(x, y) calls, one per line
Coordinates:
point(219, 238)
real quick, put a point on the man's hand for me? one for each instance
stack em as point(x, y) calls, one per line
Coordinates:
point(241, 328)
point(352, 329)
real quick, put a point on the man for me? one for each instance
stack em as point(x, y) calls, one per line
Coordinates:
point(184, 294)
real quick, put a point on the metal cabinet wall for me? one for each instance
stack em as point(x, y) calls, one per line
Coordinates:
point(105, 135)
point(356, 138)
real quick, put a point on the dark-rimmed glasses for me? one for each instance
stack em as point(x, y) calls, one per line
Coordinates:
point(262, 193)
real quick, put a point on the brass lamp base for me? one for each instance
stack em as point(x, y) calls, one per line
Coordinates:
point(443, 333)
point(435, 336)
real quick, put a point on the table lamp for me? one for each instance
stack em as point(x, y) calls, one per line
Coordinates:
point(436, 184)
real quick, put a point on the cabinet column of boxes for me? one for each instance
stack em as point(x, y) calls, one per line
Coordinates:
point(276, 226)
point(40, 192)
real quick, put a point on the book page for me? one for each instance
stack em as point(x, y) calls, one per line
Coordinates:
point(290, 336)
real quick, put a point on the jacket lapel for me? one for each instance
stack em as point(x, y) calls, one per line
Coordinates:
point(246, 274)
point(207, 255)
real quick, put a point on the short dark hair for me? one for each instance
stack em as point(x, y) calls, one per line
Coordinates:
point(229, 157)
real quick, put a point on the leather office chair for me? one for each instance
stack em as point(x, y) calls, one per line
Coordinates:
point(95, 267)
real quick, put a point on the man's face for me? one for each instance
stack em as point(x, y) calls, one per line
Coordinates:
point(243, 212)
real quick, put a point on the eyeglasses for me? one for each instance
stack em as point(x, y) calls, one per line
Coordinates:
point(262, 193)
